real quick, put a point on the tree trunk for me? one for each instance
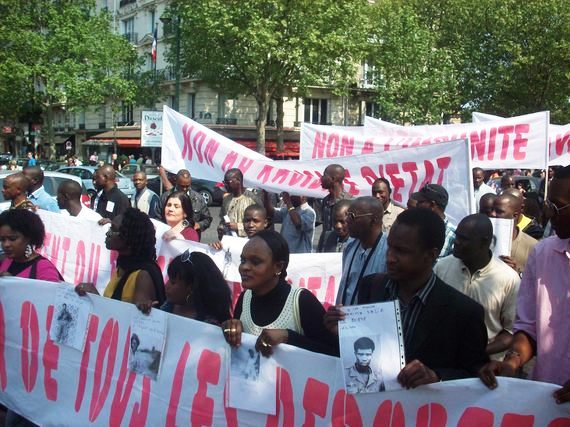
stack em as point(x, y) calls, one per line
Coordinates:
point(50, 134)
point(279, 124)
point(262, 107)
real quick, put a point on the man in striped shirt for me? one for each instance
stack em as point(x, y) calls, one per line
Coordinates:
point(444, 331)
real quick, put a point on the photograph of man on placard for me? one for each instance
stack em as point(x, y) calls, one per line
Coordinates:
point(365, 374)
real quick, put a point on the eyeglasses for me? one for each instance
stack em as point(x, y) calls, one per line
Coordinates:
point(351, 216)
point(186, 256)
point(555, 209)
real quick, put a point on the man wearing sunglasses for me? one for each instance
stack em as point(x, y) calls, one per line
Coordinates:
point(366, 253)
point(541, 325)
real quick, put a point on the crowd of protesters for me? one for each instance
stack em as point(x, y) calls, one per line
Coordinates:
point(464, 312)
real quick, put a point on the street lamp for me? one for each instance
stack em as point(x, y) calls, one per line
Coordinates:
point(167, 21)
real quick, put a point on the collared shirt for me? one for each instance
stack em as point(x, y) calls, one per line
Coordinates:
point(409, 313)
point(495, 287)
point(326, 206)
point(447, 248)
point(43, 200)
point(390, 215)
point(357, 382)
point(479, 192)
point(299, 239)
point(543, 308)
point(354, 259)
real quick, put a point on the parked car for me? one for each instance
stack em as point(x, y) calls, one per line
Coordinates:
point(52, 180)
point(212, 192)
point(86, 174)
point(130, 169)
point(530, 183)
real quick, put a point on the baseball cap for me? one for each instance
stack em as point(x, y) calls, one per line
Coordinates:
point(435, 193)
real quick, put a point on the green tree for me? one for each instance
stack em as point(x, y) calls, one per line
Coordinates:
point(414, 76)
point(264, 48)
point(61, 53)
point(513, 57)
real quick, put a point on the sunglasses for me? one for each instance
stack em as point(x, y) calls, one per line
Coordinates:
point(351, 216)
point(555, 209)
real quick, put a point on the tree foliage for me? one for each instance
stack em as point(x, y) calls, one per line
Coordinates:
point(261, 47)
point(438, 58)
point(61, 53)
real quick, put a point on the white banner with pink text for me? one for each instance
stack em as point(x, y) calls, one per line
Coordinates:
point(56, 385)
point(558, 139)
point(188, 144)
point(77, 248)
point(518, 142)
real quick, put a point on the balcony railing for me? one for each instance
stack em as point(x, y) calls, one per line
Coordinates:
point(126, 2)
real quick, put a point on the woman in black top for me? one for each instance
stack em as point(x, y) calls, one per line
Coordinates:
point(269, 307)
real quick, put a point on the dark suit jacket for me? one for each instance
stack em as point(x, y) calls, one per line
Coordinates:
point(449, 337)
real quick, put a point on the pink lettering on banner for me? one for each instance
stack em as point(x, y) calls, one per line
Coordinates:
point(319, 145)
point(121, 400)
point(345, 411)
point(186, 144)
point(3, 376)
point(315, 285)
point(486, 142)
point(389, 415)
point(202, 412)
point(91, 337)
point(50, 359)
point(560, 422)
point(230, 413)
point(315, 401)
point(245, 164)
point(476, 417)
point(177, 386)
point(517, 420)
point(562, 144)
point(368, 147)
point(431, 415)
point(30, 344)
point(106, 355)
point(410, 169)
point(229, 161)
point(87, 270)
point(285, 402)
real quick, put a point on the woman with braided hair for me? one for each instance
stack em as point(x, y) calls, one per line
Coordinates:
point(138, 277)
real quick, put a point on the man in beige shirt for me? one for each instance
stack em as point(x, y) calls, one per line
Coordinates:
point(382, 190)
point(234, 204)
point(489, 281)
point(508, 206)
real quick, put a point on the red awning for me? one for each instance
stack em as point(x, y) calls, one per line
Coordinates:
point(128, 142)
point(291, 148)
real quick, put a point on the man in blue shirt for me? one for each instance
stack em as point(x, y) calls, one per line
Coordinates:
point(31, 159)
point(298, 220)
point(37, 194)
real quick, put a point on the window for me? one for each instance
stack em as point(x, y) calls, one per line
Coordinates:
point(152, 20)
point(82, 119)
point(129, 30)
point(369, 75)
point(127, 115)
point(373, 109)
point(102, 116)
point(316, 111)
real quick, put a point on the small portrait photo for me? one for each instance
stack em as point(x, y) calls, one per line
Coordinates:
point(144, 358)
point(245, 363)
point(361, 361)
point(65, 327)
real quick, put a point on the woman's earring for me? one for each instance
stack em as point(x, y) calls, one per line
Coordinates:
point(28, 251)
point(187, 298)
point(278, 273)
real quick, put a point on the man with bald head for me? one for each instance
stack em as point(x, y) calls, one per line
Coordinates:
point(112, 201)
point(332, 181)
point(366, 253)
point(486, 203)
point(69, 199)
point(526, 224)
point(36, 192)
point(508, 206)
point(474, 271)
point(16, 190)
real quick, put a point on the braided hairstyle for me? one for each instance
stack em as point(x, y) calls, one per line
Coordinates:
point(138, 231)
